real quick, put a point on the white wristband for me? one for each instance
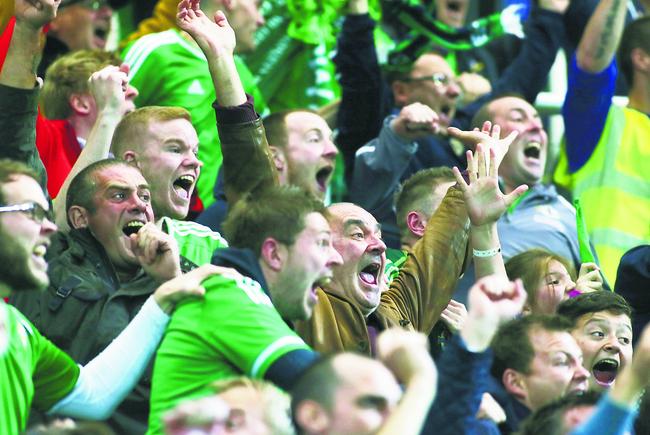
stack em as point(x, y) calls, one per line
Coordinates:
point(485, 254)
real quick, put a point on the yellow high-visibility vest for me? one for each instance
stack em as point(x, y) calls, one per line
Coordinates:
point(614, 187)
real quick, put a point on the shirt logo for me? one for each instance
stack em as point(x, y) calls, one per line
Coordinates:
point(196, 88)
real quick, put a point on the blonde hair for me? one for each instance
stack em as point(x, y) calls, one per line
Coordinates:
point(69, 75)
point(275, 403)
point(133, 124)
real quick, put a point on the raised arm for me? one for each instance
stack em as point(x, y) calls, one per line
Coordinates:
point(109, 87)
point(247, 160)
point(18, 89)
point(600, 39)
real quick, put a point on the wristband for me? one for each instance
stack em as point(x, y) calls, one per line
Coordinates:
point(486, 253)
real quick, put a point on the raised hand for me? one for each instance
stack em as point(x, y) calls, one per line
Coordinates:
point(484, 200)
point(492, 301)
point(589, 278)
point(188, 285)
point(157, 252)
point(406, 354)
point(216, 37)
point(454, 316)
point(489, 135)
point(415, 121)
point(35, 13)
point(109, 87)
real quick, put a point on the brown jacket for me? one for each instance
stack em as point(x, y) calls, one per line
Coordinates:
point(414, 299)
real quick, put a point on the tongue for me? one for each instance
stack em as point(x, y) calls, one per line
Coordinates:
point(368, 278)
point(604, 376)
point(181, 192)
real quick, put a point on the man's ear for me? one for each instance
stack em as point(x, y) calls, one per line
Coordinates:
point(129, 156)
point(400, 92)
point(80, 104)
point(280, 163)
point(640, 59)
point(273, 253)
point(416, 223)
point(311, 417)
point(78, 217)
point(514, 384)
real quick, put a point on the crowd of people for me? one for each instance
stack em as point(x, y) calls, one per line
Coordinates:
point(190, 246)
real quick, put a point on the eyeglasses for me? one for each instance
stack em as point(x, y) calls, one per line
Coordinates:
point(438, 79)
point(32, 209)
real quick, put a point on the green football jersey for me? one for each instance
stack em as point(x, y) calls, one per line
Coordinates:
point(233, 331)
point(168, 70)
point(33, 371)
point(196, 242)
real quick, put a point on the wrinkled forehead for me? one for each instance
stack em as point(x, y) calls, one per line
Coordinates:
point(501, 107)
point(344, 213)
point(431, 63)
point(122, 175)
point(610, 319)
point(302, 121)
point(22, 188)
point(547, 342)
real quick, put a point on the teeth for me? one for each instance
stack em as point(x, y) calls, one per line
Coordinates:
point(534, 145)
point(40, 250)
point(188, 178)
point(324, 281)
point(135, 224)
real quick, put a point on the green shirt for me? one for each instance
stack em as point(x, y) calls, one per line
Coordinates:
point(233, 331)
point(168, 70)
point(196, 242)
point(33, 371)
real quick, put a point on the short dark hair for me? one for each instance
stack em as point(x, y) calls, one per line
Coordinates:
point(512, 346)
point(318, 383)
point(531, 266)
point(81, 191)
point(549, 419)
point(8, 171)
point(594, 302)
point(415, 192)
point(278, 212)
point(275, 126)
point(635, 35)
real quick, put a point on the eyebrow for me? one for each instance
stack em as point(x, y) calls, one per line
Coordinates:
point(358, 222)
point(604, 322)
point(117, 186)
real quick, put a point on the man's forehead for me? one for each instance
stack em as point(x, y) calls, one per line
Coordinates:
point(120, 175)
point(303, 121)
point(430, 63)
point(546, 342)
point(316, 222)
point(346, 214)
point(606, 317)
point(504, 105)
point(23, 188)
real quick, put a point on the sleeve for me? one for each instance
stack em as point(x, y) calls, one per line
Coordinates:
point(461, 386)
point(378, 168)
point(106, 380)
point(428, 278)
point(609, 418)
point(528, 73)
point(55, 373)
point(588, 99)
point(18, 111)
point(247, 161)
point(250, 333)
point(363, 92)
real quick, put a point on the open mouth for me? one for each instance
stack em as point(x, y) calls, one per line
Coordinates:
point(533, 150)
point(370, 274)
point(132, 227)
point(183, 186)
point(323, 177)
point(605, 371)
point(40, 250)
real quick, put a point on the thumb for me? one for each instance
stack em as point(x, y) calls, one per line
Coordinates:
point(220, 19)
point(512, 196)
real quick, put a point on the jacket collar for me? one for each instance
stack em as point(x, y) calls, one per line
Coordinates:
point(243, 261)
